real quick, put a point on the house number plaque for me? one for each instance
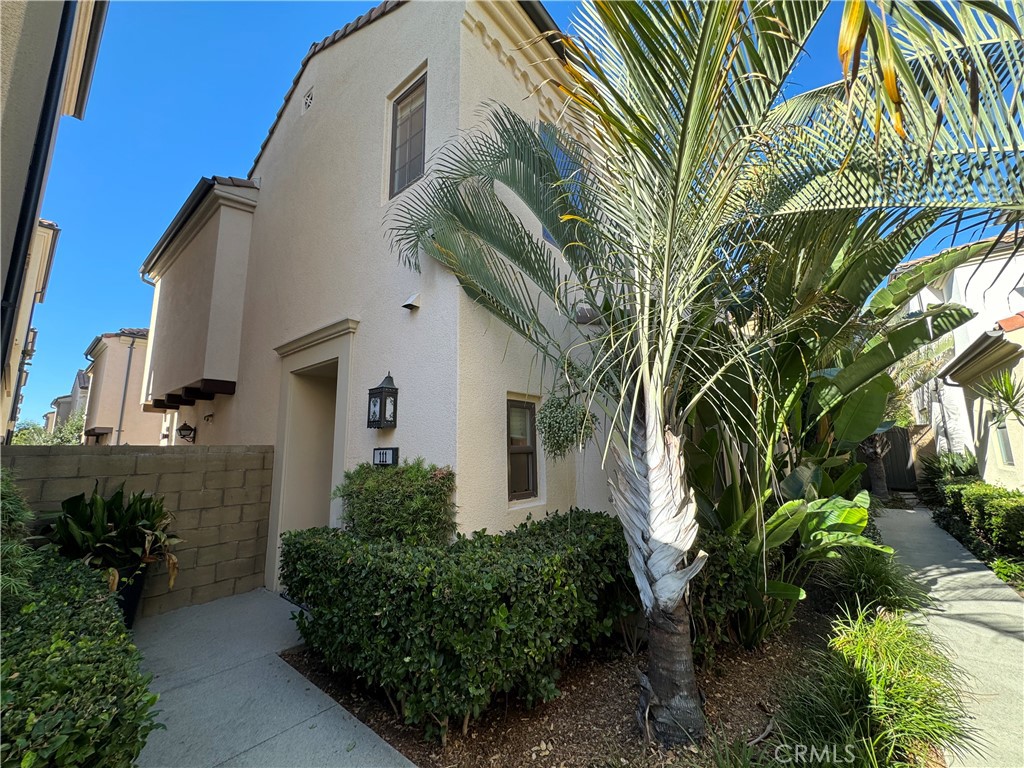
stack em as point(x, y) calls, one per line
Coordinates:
point(385, 457)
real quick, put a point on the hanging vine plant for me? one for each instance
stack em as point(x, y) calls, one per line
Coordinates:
point(564, 425)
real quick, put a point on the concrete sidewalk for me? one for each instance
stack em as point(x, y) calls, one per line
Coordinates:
point(981, 621)
point(227, 699)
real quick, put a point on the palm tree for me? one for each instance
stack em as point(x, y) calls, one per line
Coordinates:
point(681, 166)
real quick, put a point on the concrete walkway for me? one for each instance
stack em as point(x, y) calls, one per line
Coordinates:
point(227, 699)
point(981, 621)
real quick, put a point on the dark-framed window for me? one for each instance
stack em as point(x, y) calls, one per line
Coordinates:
point(1005, 448)
point(522, 450)
point(408, 136)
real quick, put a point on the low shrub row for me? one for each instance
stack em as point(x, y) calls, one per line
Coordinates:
point(445, 630)
point(72, 691)
point(994, 514)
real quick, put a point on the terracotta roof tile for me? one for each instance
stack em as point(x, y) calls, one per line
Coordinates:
point(370, 16)
point(1011, 323)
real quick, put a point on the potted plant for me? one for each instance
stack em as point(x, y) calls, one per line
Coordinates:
point(119, 537)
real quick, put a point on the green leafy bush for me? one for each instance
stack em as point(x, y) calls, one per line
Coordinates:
point(943, 466)
point(885, 687)
point(869, 577)
point(1004, 523)
point(719, 592)
point(975, 499)
point(952, 493)
point(445, 630)
point(17, 559)
point(411, 502)
point(72, 691)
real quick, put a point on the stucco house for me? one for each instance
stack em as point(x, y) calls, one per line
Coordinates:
point(278, 303)
point(992, 285)
point(67, 405)
point(998, 443)
point(47, 54)
point(113, 415)
point(36, 275)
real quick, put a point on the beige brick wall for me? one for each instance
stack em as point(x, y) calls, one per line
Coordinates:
point(219, 495)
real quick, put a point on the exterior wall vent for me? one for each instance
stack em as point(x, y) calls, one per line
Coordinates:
point(307, 101)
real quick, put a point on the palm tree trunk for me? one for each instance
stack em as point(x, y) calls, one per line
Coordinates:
point(658, 515)
point(670, 708)
point(874, 449)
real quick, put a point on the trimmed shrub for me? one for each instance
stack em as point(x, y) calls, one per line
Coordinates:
point(411, 502)
point(1005, 523)
point(72, 691)
point(444, 630)
point(975, 499)
point(943, 466)
point(952, 490)
point(885, 687)
point(17, 559)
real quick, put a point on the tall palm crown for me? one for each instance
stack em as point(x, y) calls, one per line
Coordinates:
point(697, 215)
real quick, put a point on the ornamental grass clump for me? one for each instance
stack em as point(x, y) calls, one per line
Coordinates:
point(884, 690)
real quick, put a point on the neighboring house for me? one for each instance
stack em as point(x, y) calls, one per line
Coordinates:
point(113, 415)
point(999, 447)
point(66, 405)
point(47, 54)
point(992, 285)
point(60, 413)
point(38, 263)
point(278, 303)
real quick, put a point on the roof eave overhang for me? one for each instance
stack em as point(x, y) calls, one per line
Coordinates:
point(197, 208)
point(988, 352)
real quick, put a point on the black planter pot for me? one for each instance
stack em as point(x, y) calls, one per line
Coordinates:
point(129, 591)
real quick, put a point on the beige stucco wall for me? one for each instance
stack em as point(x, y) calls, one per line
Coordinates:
point(199, 295)
point(991, 465)
point(109, 397)
point(37, 268)
point(319, 258)
point(28, 36)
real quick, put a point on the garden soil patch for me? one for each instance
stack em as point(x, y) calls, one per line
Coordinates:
point(592, 722)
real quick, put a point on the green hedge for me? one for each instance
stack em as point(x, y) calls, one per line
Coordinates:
point(951, 491)
point(72, 691)
point(445, 630)
point(994, 514)
point(411, 502)
point(1005, 523)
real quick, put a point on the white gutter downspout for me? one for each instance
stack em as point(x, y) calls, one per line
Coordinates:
point(124, 391)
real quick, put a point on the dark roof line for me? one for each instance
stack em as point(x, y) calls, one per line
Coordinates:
point(191, 204)
point(534, 9)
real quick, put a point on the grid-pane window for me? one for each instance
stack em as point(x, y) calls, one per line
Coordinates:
point(408, 136)
point(522, 450)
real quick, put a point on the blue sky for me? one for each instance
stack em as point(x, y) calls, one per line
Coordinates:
point(183, 90)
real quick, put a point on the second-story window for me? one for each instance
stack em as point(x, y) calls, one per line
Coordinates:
point(408, 136)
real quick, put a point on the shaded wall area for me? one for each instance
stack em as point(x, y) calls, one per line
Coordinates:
point(219, 495)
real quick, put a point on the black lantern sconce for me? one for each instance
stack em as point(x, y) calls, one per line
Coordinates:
point(187, 432)
point(382, 408)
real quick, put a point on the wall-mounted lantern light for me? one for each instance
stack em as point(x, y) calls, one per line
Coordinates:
point(382, 409)
point(187, 432)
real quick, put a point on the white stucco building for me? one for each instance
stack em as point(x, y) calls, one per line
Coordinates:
point(278, 302)
point(992, 285)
